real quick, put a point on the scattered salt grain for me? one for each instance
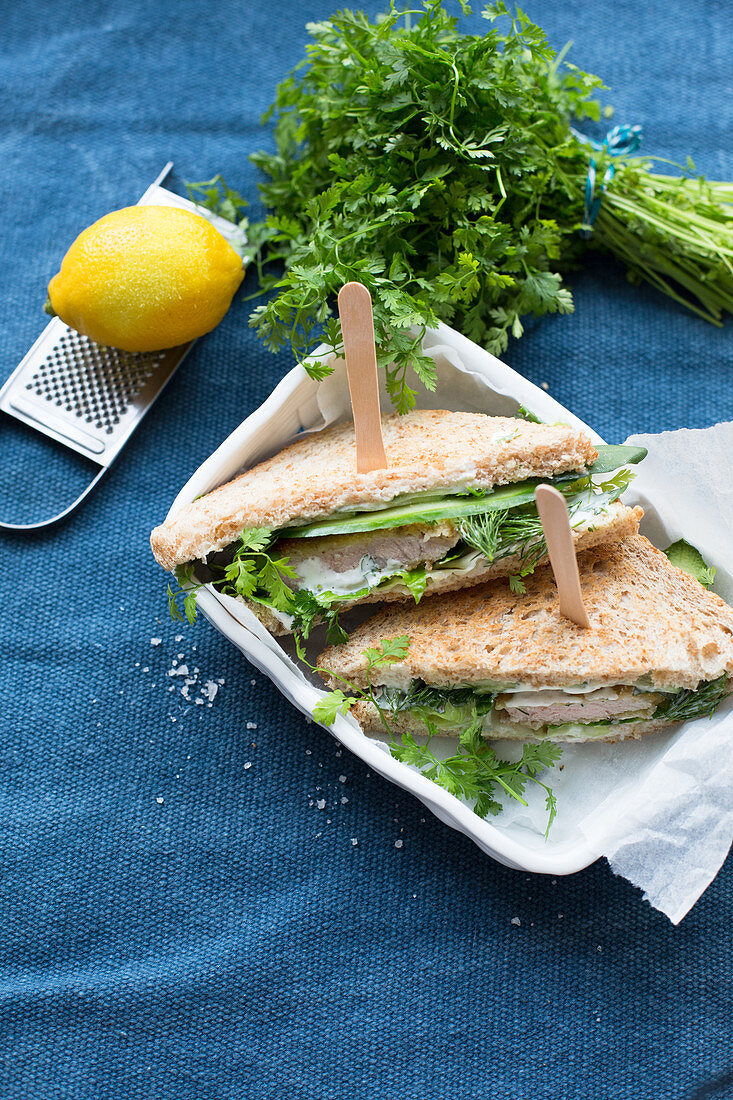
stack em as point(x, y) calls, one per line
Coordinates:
point(321, 803)
point(309, 752)
point(209, 690)
point(398, 843)
point(182, 670)
point(146, 669)
point(178, 638)
point(220, 681)
point(251, 725)
point(516, 920)
point(248, 765)
point(354, 841)
point(342, 779)
point(252, 682)
point(344, 801)
point(159, 800)
point(155, 641)
point(184, 692)
point(199, 702)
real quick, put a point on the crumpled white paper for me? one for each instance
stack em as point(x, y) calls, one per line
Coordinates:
point(674, 827)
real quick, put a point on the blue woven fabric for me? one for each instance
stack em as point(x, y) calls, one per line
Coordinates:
point(179, 919)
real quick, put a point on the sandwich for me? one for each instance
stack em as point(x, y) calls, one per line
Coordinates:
point(659, 651)
point(303, 536)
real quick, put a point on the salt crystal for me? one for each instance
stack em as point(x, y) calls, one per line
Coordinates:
point(199, 702)
point(248, 765)
point(251, 725)
point(182, 670)
point(209, 690)
point(321, 803)
point(155, 641)
point(184, 692)
point(398, 843)
point(159, 800)
point(252, 682)
point(178, 638)
point(180, 656)
point(516, 920)
point(308, 752)
point(344, 801)
point(146, 669)
point(342, 779)
point(220, 681)
point(354, 841)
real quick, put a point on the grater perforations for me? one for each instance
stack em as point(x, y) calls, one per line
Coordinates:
point(96, 384)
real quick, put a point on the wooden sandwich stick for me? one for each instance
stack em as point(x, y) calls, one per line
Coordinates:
point(357, 326)
point(553, 512)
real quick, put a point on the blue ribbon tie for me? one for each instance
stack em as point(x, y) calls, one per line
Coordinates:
point(620, 141)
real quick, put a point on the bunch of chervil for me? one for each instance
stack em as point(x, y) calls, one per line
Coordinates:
point(441, 170)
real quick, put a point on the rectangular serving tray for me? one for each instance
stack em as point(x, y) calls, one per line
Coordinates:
point(469, 378)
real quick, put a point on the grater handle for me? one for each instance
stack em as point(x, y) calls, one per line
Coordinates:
point(59, 515)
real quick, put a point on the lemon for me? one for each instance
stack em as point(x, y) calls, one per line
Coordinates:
point(145, 278)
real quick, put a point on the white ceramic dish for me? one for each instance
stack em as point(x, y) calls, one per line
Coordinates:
point(472, 379)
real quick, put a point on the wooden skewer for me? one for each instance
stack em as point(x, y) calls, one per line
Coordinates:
point(553, 512)
point(357, 326)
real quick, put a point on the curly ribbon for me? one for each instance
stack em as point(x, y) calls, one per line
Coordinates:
point(620, 141)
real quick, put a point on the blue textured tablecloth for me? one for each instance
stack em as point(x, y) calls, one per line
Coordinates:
point(179, 918)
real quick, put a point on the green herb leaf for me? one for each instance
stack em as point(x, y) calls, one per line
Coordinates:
point(336, 702)
point(689, 559)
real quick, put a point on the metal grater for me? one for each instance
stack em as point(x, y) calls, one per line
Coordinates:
point(89, 397)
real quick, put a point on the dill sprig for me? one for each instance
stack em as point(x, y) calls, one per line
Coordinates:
point(699, 702)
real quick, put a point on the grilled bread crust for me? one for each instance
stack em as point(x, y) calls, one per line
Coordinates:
point(316, 476)
point(648, 619)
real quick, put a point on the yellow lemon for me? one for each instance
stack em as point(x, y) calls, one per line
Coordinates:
point(145, 278)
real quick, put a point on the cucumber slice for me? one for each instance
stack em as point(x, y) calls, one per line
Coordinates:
point(508, 496)
point(613, 455)
point(451, 507)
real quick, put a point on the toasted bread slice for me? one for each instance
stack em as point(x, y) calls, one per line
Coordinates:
point(648, 620)
point(316, 476)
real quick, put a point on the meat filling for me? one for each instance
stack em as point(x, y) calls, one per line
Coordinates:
point(595, 706)
point(395, 549)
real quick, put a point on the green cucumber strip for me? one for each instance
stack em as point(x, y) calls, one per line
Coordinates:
point(613, 455)
point(508, 496)
point(450, 507)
